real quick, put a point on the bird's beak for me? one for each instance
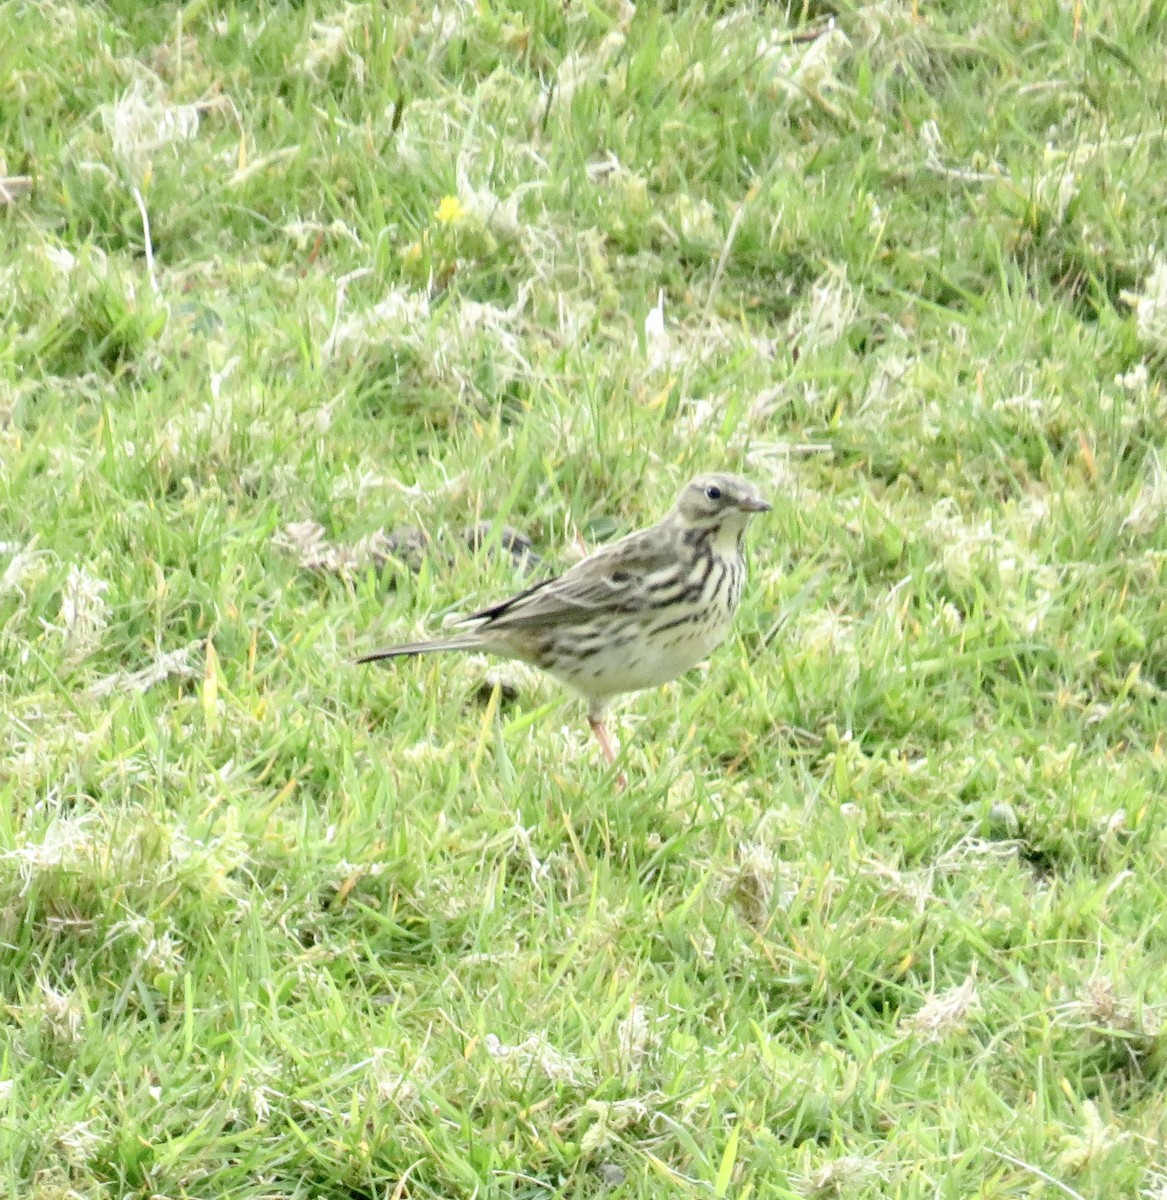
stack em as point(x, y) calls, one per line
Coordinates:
point(752, 506)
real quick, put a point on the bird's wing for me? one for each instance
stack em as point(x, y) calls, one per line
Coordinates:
point(607, 579)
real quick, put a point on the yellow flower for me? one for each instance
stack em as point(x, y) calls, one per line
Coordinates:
point(450, 210)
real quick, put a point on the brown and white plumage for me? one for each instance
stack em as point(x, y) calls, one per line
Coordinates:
point(636, 613)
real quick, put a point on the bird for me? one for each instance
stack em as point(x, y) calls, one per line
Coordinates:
point(634, 614)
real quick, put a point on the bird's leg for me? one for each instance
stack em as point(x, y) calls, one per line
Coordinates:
point(608, 746)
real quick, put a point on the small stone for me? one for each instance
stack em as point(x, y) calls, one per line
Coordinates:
point(1003, 821)
point(511, 678)
point(14, 187)
point(516, 544)
point(407, 544)
point(611, 1175)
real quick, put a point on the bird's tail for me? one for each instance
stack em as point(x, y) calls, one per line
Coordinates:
point(463, 641)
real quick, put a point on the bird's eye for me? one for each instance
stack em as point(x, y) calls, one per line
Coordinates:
point(713, 492)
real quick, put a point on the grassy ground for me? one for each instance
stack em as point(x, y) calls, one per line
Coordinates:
point(882, 910)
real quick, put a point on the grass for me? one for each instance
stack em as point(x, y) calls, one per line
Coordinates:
point(881, 912)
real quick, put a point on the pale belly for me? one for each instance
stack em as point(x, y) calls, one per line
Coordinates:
point(643, 662)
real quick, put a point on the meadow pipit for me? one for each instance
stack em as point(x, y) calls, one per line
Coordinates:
point(634, 614)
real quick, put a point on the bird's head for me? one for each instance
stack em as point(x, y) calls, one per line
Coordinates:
point(721, 502)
